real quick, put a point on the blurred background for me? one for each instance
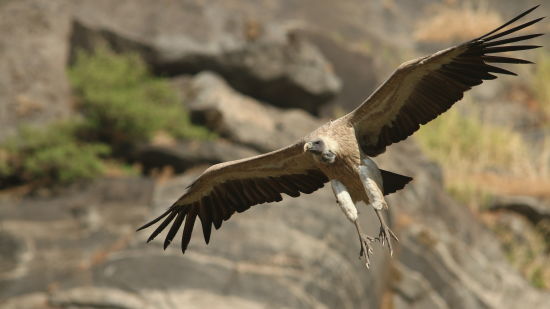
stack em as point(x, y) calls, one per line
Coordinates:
point(108, 109)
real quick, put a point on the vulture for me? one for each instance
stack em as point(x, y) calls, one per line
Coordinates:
point(340, 151)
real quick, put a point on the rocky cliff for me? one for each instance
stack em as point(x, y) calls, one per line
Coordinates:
point(258, 75)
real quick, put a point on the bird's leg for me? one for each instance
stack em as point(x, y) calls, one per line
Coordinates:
point(345, 202)
point(372, 181)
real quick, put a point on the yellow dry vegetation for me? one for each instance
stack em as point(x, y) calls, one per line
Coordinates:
point(457, 22)
point(541, 82)
point(480, 159)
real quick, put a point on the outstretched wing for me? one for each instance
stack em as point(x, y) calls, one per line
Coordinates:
point(420, 90)
point(234, 186)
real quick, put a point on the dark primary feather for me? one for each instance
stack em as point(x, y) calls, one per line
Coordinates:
point(508, 22)
point(438, 89)
point(237, 195)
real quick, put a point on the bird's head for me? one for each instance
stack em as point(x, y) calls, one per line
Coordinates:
point(320, 150)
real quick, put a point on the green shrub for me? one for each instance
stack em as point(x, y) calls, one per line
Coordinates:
point(50, 155)
point(123, 103)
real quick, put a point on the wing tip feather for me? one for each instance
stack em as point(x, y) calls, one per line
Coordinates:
point(157, 219)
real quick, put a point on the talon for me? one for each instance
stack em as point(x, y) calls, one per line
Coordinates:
point(366, 249)
point(385, 234)
point(393, 235)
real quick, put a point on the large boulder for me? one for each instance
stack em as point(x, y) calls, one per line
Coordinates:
point(241, 118)
point(186, 37)
point(184, 155)
point(33, 55)
point(360, 71)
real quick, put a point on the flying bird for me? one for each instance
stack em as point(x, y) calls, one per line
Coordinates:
point(340, 151)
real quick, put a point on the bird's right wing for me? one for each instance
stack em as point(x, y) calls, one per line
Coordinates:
point(234, 186)
point(420, 90)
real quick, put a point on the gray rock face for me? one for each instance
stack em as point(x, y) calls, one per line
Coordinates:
point(448, 248)
point(259, 60)
point(411, 290)
point(81, 251)
point(531, 208)
point(82, 245)
point(10, 251)
point(184, 155)
point(33, 54)
point(291, 254)
point(94, 297)
point(360, 71)
point(242, 119)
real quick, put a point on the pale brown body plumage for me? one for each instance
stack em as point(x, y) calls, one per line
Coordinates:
point(416, 93)
point(348, 157)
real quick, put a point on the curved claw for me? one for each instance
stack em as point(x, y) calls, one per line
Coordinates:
point(385, 236)
point(366, 249)
point(365, 240)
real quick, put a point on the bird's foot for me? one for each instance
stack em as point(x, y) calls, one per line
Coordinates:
point(385, 236)
point(366, 248)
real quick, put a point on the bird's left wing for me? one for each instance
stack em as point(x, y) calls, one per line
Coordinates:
point(234, 186)
point(420, 90)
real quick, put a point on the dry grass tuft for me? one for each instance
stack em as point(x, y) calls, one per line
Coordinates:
point(481, 159)
point(542, 78)
point(445, 24)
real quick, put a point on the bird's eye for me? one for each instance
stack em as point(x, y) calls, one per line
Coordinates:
point(316, 142)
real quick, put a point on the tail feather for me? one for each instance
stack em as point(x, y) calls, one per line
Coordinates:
point(393, 182)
